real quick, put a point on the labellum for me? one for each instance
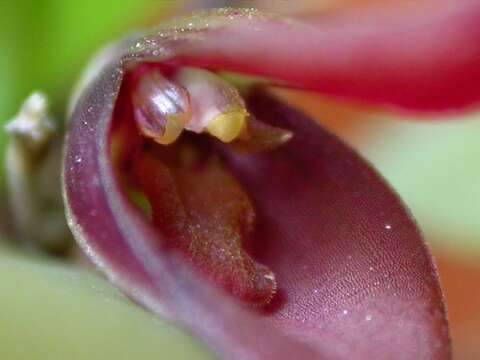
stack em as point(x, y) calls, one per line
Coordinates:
point(239, 217)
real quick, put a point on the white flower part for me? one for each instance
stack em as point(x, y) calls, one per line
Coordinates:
point(217, 106)
point(32, 122)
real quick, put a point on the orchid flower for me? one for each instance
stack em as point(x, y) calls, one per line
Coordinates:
point(240, 218)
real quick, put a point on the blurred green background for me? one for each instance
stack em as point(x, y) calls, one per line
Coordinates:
point(434, 166)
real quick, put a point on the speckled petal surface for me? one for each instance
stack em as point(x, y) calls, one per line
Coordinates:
point(355, 278)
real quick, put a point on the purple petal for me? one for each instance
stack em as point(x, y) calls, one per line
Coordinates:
point(355, 277)
point(419, 57)
point(355, 274)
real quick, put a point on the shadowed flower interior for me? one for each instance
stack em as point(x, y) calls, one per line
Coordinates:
point(184, 187)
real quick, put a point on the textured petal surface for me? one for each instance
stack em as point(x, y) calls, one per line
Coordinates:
point(355, 278)
point(355, 274)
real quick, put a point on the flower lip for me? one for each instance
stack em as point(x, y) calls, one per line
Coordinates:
point(321, 214)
